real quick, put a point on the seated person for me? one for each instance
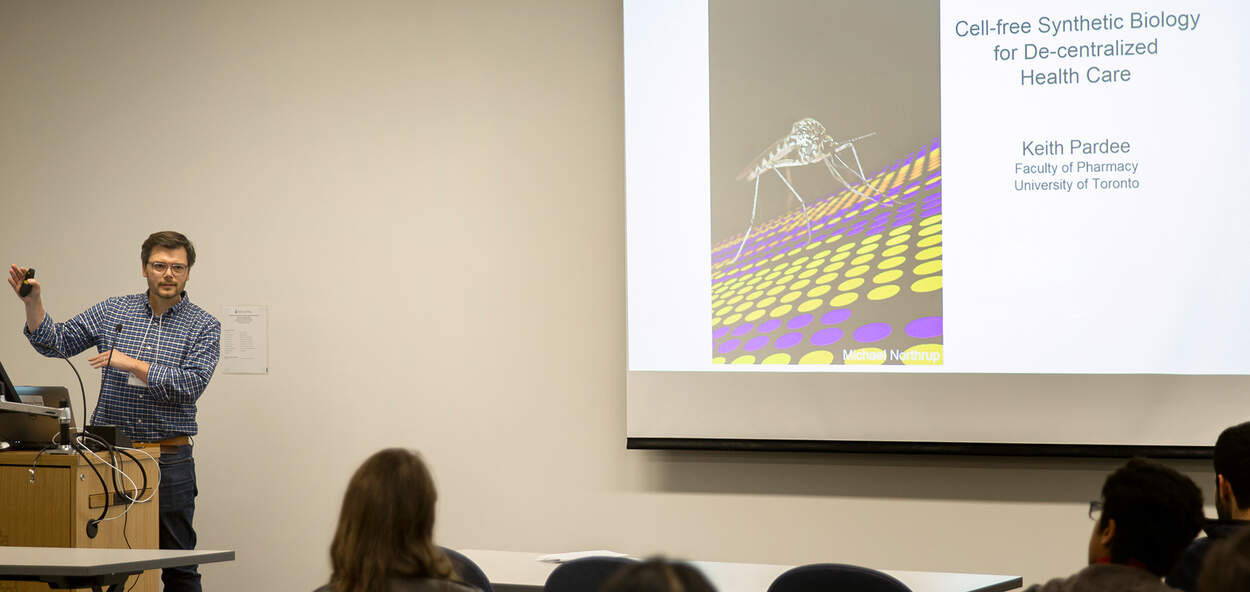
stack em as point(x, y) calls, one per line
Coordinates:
point(1227, 565)
point(658, 575)
point(1232, 503)
point(384, 541)
point(1149, 513)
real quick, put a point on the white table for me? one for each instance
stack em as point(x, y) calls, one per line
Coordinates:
point(516, 571)
point(69, 567)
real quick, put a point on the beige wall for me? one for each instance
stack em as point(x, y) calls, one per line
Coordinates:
point(429, 198)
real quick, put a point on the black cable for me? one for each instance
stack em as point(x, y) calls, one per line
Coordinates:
point(93, 525)
point(82, 389)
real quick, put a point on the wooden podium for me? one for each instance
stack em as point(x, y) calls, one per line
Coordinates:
point(50, 507)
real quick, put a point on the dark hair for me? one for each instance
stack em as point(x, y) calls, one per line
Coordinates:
point(386, 526)
point(1227, 565)
point(167, 239)
point(1157, 512)
point(1232, 460)
point(658, 575)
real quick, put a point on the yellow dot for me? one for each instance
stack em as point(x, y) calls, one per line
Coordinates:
point(733, 318)
point(785, 280)
point(856, 271)
point(772, 276)
point(883, 292)
point(767, 302)
point(851, 284)
point(828, 277)
point(928, 268)
point(811, 305)
point(834, 266)
point(799, 285)
point(755, 314)
point(718, 360)
point(747, 359)
point(840, 256)
point(902, 238)
point(794, 251)
point(815, 263)
point(929, 253)
point(744, 306)
point(724, 311)
point(777, 358)
point(799, 261)
point(895, 250)
point(833, 239)
point(867, 249)
point(776, 257)
point(735, 300)
point(900, 230)
point(775, 290)
point(862, 259)
point(936, 228)
point(818, 291)
point(819, 356)
point(891, 262)
point(930, 241)
point(846, 247)
point(843, 299)
point(929, 284)
point(931, 220)
point(715, 321)
point(923, 354)
point(755, 294)
point(780, 311)
point(822, 254)
point(872, 239)
point(886, 277)
point(791, 296)
point(808, 273)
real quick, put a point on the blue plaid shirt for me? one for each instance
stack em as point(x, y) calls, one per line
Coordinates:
point(182, 347)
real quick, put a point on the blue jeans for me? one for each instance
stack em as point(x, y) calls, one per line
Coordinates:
point(177, 497)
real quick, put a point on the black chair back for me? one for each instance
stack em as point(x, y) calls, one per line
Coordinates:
point(835, 577)
point(467, 570)
point(584, 575)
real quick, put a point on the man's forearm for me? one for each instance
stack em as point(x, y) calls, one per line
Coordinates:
point(34, 315)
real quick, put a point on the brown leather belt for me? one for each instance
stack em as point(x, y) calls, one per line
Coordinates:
point(168, 445)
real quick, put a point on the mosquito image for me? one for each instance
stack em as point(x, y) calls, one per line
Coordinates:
point(807, 143)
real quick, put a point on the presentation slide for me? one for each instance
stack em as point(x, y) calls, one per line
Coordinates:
point(936, 187)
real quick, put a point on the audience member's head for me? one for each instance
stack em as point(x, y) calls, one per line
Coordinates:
point(1227, 566)
point(658, 575)
point(1232, 473)
point(386, 525)
point(1150, 513)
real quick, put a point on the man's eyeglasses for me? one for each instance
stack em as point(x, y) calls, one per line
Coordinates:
point(161, 267)
point(1095, 510)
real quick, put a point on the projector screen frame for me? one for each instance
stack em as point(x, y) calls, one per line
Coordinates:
point(925, 448)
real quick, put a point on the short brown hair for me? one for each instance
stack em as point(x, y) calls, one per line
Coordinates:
point(386, 526)
point(167, 239)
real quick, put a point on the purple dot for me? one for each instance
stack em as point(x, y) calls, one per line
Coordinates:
point(931, 211)
point(788, 340)
point(905, 220)
point(799, 322)
point(721, 332)
point(728, 346)
point(872, 332)
point(769, 326)
point(925, 327)
point(826, 336)
point(743, 329)
point(756, 344)
point(836, 316)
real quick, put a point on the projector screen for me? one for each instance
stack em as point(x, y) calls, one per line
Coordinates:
point(935, 222)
